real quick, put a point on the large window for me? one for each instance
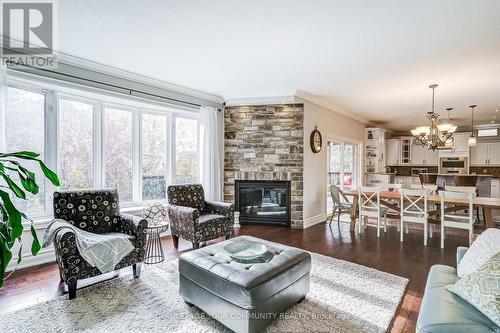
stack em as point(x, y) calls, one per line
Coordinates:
point(96, 141)
point(186, 150)
point(75, 144)
point(154, 156)
point(118, 151)
point(25, 131)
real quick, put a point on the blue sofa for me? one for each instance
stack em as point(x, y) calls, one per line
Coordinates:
point(442, 311)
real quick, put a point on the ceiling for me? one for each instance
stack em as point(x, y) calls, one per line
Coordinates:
point(372, 58)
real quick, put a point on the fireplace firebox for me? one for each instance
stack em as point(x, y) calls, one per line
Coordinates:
point(263, 202)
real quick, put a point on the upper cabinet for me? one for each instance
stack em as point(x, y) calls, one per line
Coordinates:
point(423, 156)
point(392, 152)
point(485, 153)
point(461, 143)
point(405, 157)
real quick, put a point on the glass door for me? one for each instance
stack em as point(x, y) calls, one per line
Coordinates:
point(342, 164)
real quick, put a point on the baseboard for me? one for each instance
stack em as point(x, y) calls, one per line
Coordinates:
point(309, 222)
point(28, 261)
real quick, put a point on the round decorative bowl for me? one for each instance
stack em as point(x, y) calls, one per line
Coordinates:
point(245, 250)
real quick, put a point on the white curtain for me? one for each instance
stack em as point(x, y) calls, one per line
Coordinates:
point(210, 157)
point(3, 106)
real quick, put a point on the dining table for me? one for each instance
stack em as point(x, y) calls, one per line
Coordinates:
point(391, 199)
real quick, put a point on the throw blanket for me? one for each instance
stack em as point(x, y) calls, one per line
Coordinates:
point(103, 251)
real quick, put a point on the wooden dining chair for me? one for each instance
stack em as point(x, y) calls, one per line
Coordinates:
point(455, 219)
point(369, 206)
point(413, 205)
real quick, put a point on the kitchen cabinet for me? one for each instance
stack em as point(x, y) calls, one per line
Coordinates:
point(423, 156)
point(485, 153)
point(461, 143)
point(494, 153)
point(392, 152)
point(418, 154)
point(405, 157)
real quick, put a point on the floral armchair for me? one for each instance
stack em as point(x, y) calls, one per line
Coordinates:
point(95, 211)
point(196, 220)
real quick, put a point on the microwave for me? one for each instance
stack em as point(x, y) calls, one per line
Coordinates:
point(454, 165)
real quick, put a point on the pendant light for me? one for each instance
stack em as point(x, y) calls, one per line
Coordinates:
point(472, 138)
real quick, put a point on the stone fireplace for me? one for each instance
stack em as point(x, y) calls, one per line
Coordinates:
point(263, 201)
point(265, 143)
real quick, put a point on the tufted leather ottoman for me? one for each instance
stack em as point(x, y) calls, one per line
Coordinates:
point(244, 296)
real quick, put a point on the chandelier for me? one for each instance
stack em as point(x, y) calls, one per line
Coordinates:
point(436, 135)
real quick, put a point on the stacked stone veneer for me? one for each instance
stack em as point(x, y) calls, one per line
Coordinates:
point(265, 142)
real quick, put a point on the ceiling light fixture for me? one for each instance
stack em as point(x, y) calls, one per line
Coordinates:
point(472, 138)
point(435, 136)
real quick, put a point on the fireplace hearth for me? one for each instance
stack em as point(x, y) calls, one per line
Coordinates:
point(263, 202)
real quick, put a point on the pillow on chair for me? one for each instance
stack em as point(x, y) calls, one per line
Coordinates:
point(483, 248)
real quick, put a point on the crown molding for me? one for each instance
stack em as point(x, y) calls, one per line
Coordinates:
point(323, 102)
point(240, 101)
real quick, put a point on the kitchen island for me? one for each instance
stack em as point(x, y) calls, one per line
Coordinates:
point(483, 182)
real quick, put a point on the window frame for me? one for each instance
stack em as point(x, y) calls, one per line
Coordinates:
point(96, 133)
point(174, 152)
point(49, 147)
point(54, 90)
point(170, 150)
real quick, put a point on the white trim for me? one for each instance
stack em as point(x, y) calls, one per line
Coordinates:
point(240, 101)
point(43, 257)
point(313, 220)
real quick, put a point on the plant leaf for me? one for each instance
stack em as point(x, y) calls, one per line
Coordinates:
point(5, 257)
point(14, 187)
point(49, 174)
point(21, 154)
point(13, 215)
point(20, 252)
point(35, 245)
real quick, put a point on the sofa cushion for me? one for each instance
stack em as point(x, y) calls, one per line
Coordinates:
point(482, 288)
point(443, 311)
point(245, 284)
point(483, 248)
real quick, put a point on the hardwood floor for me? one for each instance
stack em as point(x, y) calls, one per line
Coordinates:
point(410, 259)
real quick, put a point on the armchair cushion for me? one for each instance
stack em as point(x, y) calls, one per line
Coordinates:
point(188, 195)
point(90, 210)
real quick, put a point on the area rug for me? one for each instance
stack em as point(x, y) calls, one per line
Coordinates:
point(344, 297)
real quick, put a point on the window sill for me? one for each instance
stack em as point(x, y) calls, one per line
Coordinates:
point(42, 222)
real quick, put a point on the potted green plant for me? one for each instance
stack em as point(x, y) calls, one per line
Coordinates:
point(16, 180)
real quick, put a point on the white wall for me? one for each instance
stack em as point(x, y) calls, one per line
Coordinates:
point(330, 124)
